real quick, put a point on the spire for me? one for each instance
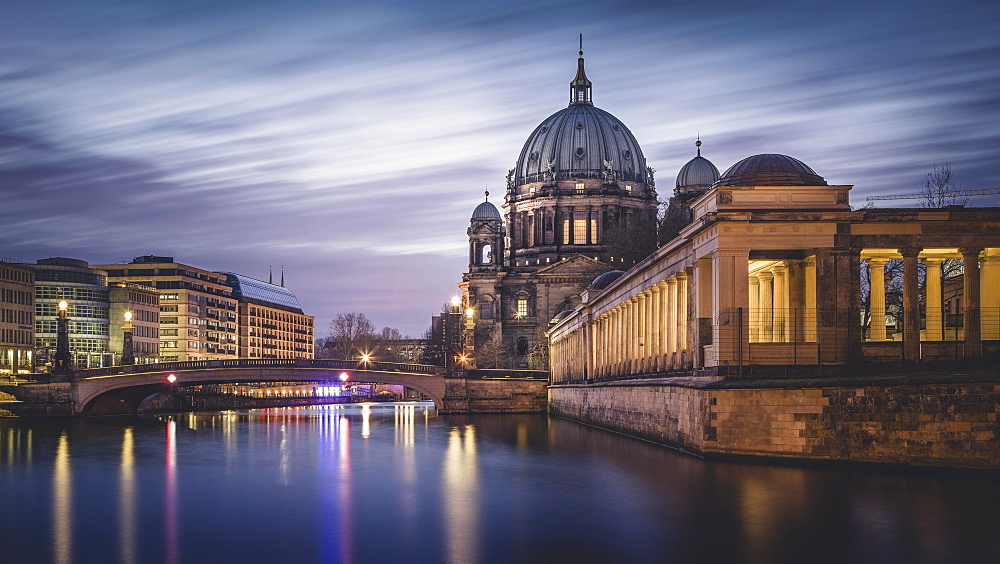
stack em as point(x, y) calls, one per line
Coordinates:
point(698, 144)
point(579, 89)
point(270, 275)
point(282, 276)
point(487, 195)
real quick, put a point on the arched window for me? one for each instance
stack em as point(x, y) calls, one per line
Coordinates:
point(522, 346)
point(486, 310)
point(487, 255)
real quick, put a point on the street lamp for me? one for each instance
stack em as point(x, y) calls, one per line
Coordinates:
point(128, 352)
point(63, 365)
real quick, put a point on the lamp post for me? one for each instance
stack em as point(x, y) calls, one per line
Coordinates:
point(128, 352)
point(62, 367)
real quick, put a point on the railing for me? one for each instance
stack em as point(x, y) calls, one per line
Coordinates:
point(490, 373)
point(305, 363)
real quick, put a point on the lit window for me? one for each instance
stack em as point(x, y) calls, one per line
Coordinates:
point(580, 231)
point(522, 308)
point(628, 187)
point(531, 190)
point(579, 187)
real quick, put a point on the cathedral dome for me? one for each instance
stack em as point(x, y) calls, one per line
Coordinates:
point(699, 171)
point(771, 170)
point(578, 142)
point(486, 212)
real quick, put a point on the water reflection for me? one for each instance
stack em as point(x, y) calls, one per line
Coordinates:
point(461, 496)
point(62, 503)
point(126, 499)
point(170, 493)
point(366, 414)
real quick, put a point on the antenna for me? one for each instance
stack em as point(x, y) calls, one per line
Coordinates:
point(581, 44)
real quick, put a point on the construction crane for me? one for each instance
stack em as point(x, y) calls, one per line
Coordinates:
point(952, 193)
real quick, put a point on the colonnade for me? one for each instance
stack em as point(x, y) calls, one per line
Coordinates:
point(650, 331)
point(782, 302)
point(980, 298)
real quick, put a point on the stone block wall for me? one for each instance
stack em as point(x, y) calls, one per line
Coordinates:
point(930, 424)
point(505, 395)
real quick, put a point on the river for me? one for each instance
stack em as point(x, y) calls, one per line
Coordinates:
point(396, 482)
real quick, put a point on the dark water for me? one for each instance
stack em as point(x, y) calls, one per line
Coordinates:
point(396, 482)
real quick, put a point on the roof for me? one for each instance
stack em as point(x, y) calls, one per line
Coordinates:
point(605, 280)
point(486, 212)
point(262, 292)
point(771, 169)
point(699, 171)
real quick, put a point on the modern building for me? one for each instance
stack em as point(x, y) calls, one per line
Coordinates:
point(198, 312)
point(580, 201)
point(144, 305)
point(17, 318)
point(85, 290)
point(271, 322)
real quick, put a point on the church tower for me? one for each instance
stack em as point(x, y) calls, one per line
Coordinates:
point(486, 238)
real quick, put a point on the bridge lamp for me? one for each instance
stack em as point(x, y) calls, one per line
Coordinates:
point(171, 378)
point(63, 305)
point(470, 313)
point(365, 357)
point(344, 376)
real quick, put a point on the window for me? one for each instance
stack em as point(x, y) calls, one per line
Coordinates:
point(580, 231)
point(487, 257)
point(579, 187)
point(168, 332)
point(168, 308)
point(168, 320)
point(593, 232)
point(522, 346)
point(486, 310)
point(628, 188)
point(522, 308)
point(168, 345)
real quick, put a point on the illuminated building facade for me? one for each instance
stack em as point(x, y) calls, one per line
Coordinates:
point(144, 304)
point(271, 322)
point(85, 290)
point(17, 318)
point(198, 312)
point(578, 196)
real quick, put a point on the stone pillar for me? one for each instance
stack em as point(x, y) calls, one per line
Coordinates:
point(911, 305)
point(642, 328)
point(655, 337)
point(691, 346)
point(730, 287)
point(809, 315)
point(796, 301)
point(934, 327)
point(780, 303)
point(682, 301)
point(876, 300)
point(704, 309)
point(838, 299)
point(766, 304)
point(671, 317)
point(989, 312)
point(633, 333)
point(970, 296)
point(754, 313)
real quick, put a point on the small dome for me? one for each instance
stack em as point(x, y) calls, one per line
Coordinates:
point(699, 171)
point(605, 280)
point(771, 170)
point(486, 212)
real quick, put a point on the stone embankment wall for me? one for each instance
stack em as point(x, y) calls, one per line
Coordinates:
point(501, 395)
point(54, 399)
point(948, 423)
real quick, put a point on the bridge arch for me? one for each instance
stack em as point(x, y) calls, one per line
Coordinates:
point(93, 387)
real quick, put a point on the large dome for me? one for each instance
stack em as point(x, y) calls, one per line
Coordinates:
point(771, 170)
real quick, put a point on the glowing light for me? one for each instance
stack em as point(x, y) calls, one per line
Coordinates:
point(456, 301)
point(128, 316)
point(171, 378)
point(366, 357)
point(63, 305)
point(344, 376)
point(470, 312)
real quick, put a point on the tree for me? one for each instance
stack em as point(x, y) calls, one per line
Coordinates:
point(538, 356)
point(632, 241)
point(939, 188)
point(491, 352)
point(352, 334)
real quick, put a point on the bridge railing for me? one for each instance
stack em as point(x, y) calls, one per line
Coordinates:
point(486, 373)
point(324, 363)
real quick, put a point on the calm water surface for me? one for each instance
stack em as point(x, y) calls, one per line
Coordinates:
point(397, 482)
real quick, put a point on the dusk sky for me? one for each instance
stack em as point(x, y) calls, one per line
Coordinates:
point(350, 141)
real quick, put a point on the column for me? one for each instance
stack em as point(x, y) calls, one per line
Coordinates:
point(810, 315)
point(691, 320)
point(989, 307)
point(655, 337)
point(671, 317)
point(933, 302)
point(682, 301)
point(876, 299)
point(730, 284)
point(754, 313)
point(911, 305)
point(704, 309)
point(838, 296)
point(766, 304)
point(633, 332)
point(643, 305)
point(780, 303)
point(970, 296)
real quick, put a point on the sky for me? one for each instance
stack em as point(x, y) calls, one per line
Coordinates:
point(350, 141)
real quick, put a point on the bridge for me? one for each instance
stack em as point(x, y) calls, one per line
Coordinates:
point(125, 389)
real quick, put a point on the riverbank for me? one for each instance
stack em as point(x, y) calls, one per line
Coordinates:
point(921, 420)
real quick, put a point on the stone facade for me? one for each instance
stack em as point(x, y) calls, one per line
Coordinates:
point(949, 422)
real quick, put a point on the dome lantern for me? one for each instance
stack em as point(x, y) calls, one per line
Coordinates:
point(580, 88)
